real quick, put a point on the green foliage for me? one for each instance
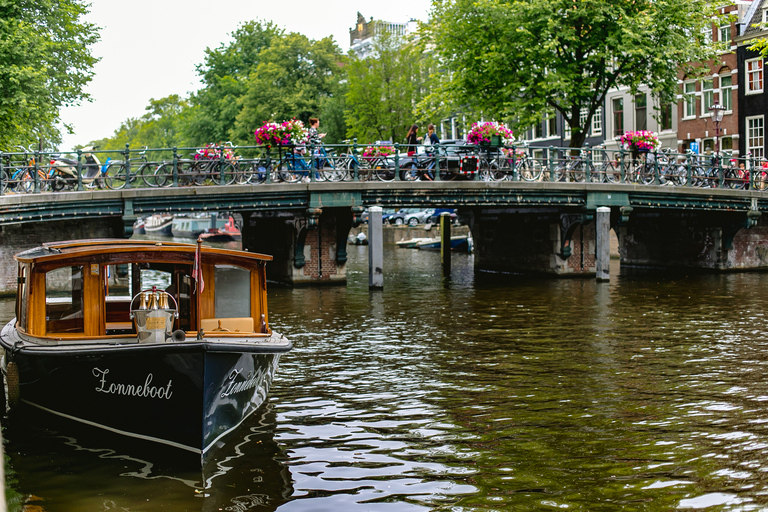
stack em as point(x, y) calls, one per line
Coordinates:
point(45, 63)
point(160, 127)
point(225, 75)
point(295, 77)
point(536, 57)
point(384, 88)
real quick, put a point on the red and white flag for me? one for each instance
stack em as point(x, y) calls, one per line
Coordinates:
point(197, 271)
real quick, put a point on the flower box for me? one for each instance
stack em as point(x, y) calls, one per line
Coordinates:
point(286, 133)
point(490, 134)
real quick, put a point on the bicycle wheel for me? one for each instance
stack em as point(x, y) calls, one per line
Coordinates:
point(257, 171)
point(577, 171)
point(330, 171)
point(115, 178)
point(383, 170)
point(149, 174)
point(489, 171)
point(410, 172)
point(698, 177)
point(611, 172)
point(161, 177)
point(4, 178)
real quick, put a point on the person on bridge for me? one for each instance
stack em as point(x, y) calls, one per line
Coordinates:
point(412, 140)
point(431, 135)
point(315, 137)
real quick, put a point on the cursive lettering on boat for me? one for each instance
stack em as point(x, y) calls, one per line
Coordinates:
point(251, 381)
point(142, 390)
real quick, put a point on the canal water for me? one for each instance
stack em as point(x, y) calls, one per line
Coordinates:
point(478, 392)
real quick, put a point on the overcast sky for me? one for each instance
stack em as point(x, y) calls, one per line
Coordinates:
point(149, 48)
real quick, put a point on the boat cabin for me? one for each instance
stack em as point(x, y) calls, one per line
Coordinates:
point(86, 289)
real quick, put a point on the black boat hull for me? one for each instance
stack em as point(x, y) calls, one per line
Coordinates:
point(184, 395)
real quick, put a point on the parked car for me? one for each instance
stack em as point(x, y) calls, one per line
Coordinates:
point(385, 214)
point(411, 216)
point(435, 217)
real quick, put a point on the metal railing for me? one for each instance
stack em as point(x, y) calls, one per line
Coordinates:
point(24, 171)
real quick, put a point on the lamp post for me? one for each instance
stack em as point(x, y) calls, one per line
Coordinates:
point(717, 116)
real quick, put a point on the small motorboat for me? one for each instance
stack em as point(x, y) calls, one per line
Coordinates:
point(158, 224)
point(216, 235)
point(412, 243)
point(459, 243)
point(165, 343)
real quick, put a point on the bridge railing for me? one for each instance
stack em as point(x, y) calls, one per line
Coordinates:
point(24, 170)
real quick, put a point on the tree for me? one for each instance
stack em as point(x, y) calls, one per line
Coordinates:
point(160, 127)
point(295, 77)
point(383, 89)
point(527, 59)
point(225, 75)
point(45, 63)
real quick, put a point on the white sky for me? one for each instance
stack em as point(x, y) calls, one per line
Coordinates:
point(149, 48)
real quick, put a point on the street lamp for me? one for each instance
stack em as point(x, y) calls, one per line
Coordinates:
point(717, 111)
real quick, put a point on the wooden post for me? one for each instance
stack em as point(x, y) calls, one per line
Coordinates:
point(603, 243)
point(445, 242)
point(375, 248)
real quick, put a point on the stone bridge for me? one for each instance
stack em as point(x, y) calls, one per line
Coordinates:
point(532, 227)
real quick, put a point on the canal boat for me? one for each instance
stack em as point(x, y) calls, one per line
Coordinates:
point(163, 342)
point(191, 226)
point(158, 224)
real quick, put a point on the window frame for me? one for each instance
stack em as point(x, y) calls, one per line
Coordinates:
point(748, 76)
point(689, 100)
point(750, 147)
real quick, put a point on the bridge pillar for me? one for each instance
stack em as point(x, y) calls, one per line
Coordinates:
point(695, 240)
point(15, 238)
point(309, 247)
point(534, 241)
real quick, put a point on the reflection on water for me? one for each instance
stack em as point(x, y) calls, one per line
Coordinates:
point(472, 393)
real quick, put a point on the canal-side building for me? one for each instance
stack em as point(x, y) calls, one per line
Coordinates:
point(752, 100)
point(639, 111)
point(720, 85)
point(362, 34)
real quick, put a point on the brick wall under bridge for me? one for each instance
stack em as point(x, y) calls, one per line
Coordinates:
point(15, 238)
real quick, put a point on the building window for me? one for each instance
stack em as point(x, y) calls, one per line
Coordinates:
point(552, 127)
point(665, 116)
point(707, 95)
point(725, 34)
point(725, 92)
point(538, 131)
point(641, 111)
point(597, 122)
point(726, 143)
point(754, 75)
point(690, 99)
point(755, 140)
point(618, 117)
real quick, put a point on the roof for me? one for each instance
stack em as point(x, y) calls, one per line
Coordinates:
point(104, 247)
point(754, 16)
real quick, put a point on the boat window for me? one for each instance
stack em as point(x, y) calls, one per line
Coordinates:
point(153, 277)
point(64, 300)
point(233, 292)
point(118, 280)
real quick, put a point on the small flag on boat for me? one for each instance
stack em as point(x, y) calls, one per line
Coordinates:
point(197, 271)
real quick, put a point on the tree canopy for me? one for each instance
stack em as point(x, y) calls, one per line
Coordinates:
point(45, 63)
point(295, 77)
point(383, 89)
point(525, 59)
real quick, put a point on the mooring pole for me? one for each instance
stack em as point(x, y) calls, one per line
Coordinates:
point(603, 243)
point(445, 242)
point(375, 248)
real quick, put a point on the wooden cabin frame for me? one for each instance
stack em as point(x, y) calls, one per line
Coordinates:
point(104, 317)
